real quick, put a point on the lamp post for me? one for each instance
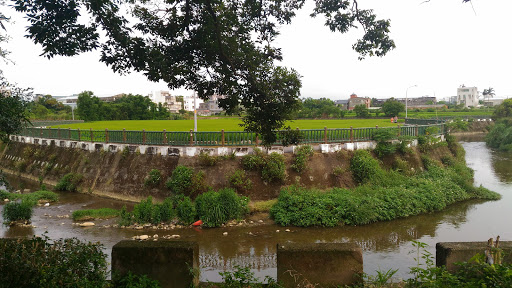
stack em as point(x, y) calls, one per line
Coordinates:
point(406, 98)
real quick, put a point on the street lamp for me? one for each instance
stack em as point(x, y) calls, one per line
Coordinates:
point(406, 98)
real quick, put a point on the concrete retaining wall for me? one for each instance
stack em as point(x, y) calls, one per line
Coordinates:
point(172, 263)
point(449, 253)
point(191, 151)
point(319, 264)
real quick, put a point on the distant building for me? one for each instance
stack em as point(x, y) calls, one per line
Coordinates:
point(353, 101)
point(493, 102)
point(158, 96)
point(419, 102)
point(343, 104)
point(211, 106)
point(467, 96)
point(172, 104)
point(188, 103)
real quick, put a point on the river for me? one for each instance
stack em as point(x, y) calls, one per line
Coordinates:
point(385, 245)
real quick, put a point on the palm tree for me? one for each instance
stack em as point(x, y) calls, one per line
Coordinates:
point(489, 93)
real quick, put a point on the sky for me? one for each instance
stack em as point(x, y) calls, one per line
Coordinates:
point(441, 44)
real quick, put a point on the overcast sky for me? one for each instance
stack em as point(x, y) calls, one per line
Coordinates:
point(440, 45)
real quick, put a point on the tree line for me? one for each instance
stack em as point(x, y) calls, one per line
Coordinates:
point(128, 107)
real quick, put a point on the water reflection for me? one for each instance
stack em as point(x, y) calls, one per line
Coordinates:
point(385, 245)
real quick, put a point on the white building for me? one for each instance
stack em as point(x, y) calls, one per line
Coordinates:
point(467, 96)
point(188, 103)
point(158, 96)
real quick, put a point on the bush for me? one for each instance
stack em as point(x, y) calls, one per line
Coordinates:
point(302, 157)
point(500, 137)
point(240, 181)
point(69, 182)
point(153, 178)
point(216, 208)
point(37, 262)
point(206, 160)
point(184, 181)
point(364, 167)
point(254, 161)
point(143, 212)
point(17, 211)
point(186, 211)
point(274, 168)
point(126, 218)
point(290, 137)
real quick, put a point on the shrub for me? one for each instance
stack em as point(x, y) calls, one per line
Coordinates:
point(126, 218)
point(216, 208)
point(403, 145)
point(183, 180)
point(254, 161)
point(240, 181)
point(17, 211)
point(69, 182)
point(274, 168)
point(301, 158)
point(143, 212)
point(37, 262)
point(186, 211)
point(290, 137)
point(338, 171)
point(206, 160)
point(153, 178)
point(364, 166)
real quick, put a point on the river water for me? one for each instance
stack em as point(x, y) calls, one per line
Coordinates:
point(385, 245)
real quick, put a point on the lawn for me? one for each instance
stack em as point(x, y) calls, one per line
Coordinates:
point(228, 124)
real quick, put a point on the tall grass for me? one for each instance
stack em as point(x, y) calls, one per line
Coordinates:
point(91, 214)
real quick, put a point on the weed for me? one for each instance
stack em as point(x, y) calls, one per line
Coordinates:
point(338, 171)
point(216, 208)
point(17, 211)
point(91, 214)
point(274, 168)
point(205, 159)
point(153, 178)
point(69, 182)
point(186, 211)
point(240, 181)
point(302, 157)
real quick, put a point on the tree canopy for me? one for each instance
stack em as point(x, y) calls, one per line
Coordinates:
point(392, 107)
point(220, 47)
point(13, 108)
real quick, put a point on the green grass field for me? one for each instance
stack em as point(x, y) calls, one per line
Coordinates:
point(228, 124)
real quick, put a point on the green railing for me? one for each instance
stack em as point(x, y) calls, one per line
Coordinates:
point(222, 138)
point(47, 123)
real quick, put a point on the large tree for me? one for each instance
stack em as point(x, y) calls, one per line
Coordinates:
point(209, 46)
point(13, 108)
point(392, 107)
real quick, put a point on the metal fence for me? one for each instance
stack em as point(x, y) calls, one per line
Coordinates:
point(47, 123)
point(438, 120)
point(228, 138)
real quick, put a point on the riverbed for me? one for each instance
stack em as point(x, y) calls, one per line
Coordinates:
point(385, 245)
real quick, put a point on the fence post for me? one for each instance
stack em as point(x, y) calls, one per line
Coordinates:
point(351, 134)
point(325, 135)
point(416, 130)
point(223, 138)
point(191, 140)
point(143, 137)
point(165, 137)
point(399, 130)
point(124, 135)
point(92, 135)
point(78, 134)
point(106, 135)
point(257, 140)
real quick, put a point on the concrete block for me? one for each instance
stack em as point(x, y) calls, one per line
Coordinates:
point(349, 146)
point(242, 151)
point(209, 151)
point(169, 262)
point(324, 148)
point(276, 149)
point(190, 151)
point(112, 148)
point(449, 253)
point(322, 264)
point(222, 151)
point(174, 151)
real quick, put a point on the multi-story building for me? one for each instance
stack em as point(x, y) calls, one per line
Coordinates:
point(353, 101)
point(188, 103)
point(211, 106)
point(159, 96)
point(172, 104)
point(467, 96)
